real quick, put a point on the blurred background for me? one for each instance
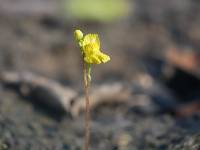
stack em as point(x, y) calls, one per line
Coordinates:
point(147, 97)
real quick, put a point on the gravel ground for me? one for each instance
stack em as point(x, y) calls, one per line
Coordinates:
point(24, 126)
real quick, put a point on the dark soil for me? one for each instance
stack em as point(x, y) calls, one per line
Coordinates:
point(24, 127)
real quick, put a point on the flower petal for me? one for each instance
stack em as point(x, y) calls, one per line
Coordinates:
point(92, 59)
point(91, 39)
point(103, 57)
point(90, 49)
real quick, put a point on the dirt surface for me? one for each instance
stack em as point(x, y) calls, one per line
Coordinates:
point(23, 126)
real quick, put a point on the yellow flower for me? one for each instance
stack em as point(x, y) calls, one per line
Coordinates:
point(91, 50)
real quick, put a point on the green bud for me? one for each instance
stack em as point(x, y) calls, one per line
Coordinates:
point(78, 35)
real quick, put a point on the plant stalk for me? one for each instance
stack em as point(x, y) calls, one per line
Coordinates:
point(87, 107)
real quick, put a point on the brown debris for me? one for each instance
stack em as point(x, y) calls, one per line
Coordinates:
point(44, 89)
point(188, 110)
point(61, 97)
point(186, 60)
point(106, 93)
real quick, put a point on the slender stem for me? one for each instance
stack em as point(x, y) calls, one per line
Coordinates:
point(87, 109)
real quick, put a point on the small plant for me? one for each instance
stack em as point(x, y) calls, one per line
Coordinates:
point(91, 54)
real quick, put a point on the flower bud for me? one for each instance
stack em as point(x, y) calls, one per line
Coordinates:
point(78, 35)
